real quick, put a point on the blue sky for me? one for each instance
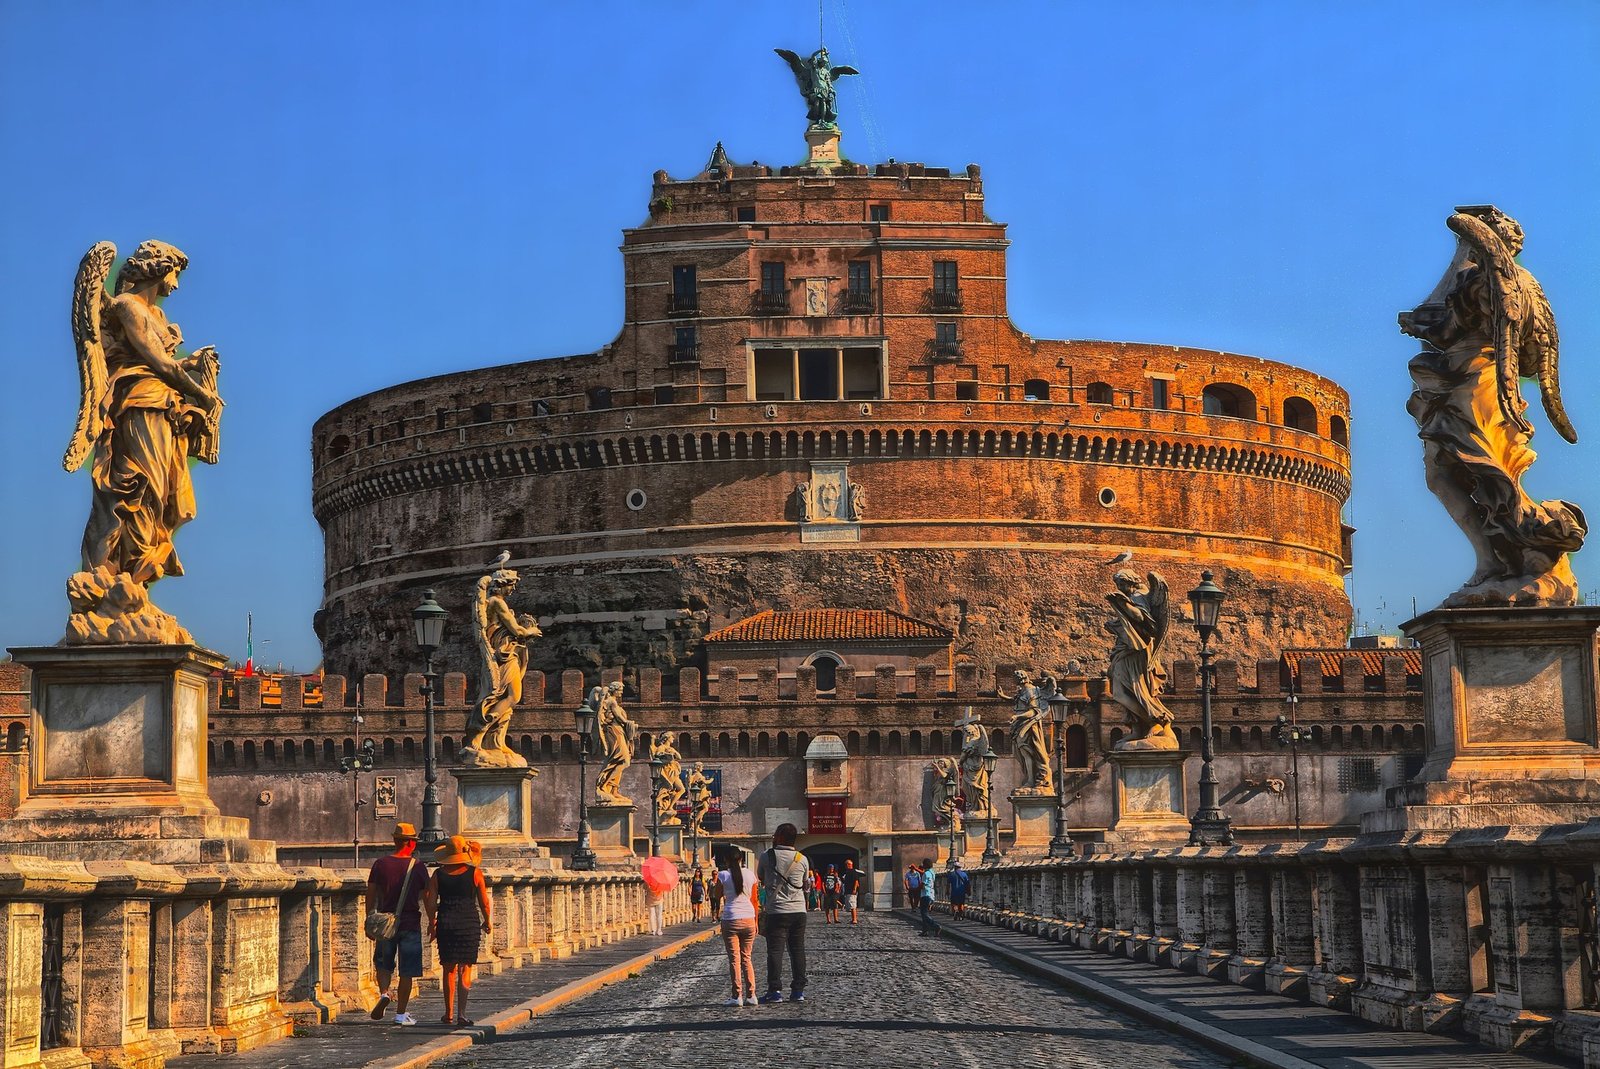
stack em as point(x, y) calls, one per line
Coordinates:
point(374, 192)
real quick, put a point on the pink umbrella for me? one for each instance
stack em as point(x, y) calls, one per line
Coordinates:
point(660, 874)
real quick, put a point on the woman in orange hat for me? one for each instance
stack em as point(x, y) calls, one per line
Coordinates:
point(457, 901)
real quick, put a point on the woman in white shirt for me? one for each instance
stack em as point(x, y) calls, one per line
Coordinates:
point(738, 922)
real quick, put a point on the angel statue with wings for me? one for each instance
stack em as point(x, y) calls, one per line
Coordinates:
point(1140, 626)
point(816, 76)
point(501, 637)
point(670, 778)
point(1485, 327)
point(1030, 708)
point(144, 411)
point(618, 736)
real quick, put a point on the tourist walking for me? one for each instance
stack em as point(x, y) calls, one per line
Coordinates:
point(394, 895)
point(925, 902)
point(830, 896)
point(459, 916)
point(850, 887)
point(913, 885)
point(960, 882)
point(738, 885)
point(813, 891)
point(714, 896)
point(785, 875)
point(697, 893)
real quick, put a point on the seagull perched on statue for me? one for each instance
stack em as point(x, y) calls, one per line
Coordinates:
point(502, 560)
point(1121, 558)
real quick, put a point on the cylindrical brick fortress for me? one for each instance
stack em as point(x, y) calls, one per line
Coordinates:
point(846, 331)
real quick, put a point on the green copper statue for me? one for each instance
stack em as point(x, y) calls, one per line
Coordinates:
point(816, 76)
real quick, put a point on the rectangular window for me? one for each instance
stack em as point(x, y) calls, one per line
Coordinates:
point(946, 282)
point(685, 295)
point(863, 374)
point(860, 276)
point(774, 375)
point(1158, 394)
point(967, 390)
point(541, 408)
point(746, 214)
point(819, 374)
point(772, 279)
point(686, 348)
point(877, 213)
point(944, 333)
point(663, 395)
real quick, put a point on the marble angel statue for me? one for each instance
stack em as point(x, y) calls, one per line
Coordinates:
point(145, 410)
point(501, 637)
point(1136, 674)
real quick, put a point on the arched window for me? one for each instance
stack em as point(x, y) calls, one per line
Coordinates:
point(827, 666)
point(339, 446)
point(1098, 393)
point(1077, 746)
point(1036, 390)
point(1337, 430)
point(1300, 414)
point(1226, 399)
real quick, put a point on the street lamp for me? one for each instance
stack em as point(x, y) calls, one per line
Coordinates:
point(952, 784)
point(991, 854)
point(1061, 845)
point(1289, 733)
point(657, 764)
point(429, 618)
point(583, 858)
point(1208, 826)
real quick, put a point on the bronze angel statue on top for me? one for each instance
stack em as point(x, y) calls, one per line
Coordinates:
point(1485, 326)
point(815, 77)
point(146, 409)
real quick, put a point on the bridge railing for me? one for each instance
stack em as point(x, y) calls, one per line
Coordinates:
point(128, 960)
point(1485, 932)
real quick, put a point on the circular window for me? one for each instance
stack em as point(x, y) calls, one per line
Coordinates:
point(635, 499)
point(1108, 496)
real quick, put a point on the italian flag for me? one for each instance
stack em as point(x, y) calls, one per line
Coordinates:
point(249, 645)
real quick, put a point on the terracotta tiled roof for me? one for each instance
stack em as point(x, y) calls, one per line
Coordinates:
point(811, 625)
point(1329, 659)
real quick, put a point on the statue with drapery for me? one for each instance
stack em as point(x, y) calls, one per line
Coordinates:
point(501, 637)
point(1139, 625)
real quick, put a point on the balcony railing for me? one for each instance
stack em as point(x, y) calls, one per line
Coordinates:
point(683, 354)
point(767, 302)
point(944, 300)
point(859, 302)
point(947, 350)
point(682, 304)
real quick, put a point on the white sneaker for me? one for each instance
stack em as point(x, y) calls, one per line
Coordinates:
point(751, 1002)
point(403, 1019)
point(734, 1000)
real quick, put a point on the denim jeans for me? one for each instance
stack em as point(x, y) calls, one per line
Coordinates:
point(928, 923)
point(786, 929)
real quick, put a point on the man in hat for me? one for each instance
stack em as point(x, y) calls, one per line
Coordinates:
point(960, 881)
point(386, 881)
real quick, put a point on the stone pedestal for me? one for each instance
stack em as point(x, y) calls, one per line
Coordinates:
point(1150, 809)
point(824, 145)
point(1035, 823)
point(495, 807)
point(670, 840)
point(118, 768)
point(611, 831)
point(1513, 721)
point(964, 835)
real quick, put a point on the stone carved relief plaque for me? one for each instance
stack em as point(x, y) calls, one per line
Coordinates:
point(829, 509)
point(816, 296)
point(383, 796)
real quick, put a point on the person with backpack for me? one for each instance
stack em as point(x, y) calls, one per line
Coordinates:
point(913, 884)
point(784, 875)
point(960, 882)
point(830, 896)
point(925, 902)
point(394, 922)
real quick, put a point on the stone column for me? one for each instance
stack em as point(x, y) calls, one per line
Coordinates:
point(189, 1013)
point(1338, 935)
point(244, 976)
point(1163, 914)
point(1535, 957)
point(1293, 932)
point(1220, 920)
point(21, 1001)
point(1252, 912)
point(1191, 934)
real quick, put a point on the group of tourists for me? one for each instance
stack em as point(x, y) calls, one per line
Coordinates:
point(919, 885)
point(831, 892)
point(455, 900)
point(769, 901)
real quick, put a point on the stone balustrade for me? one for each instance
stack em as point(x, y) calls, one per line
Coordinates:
point(1489, 932)
point(130, 963)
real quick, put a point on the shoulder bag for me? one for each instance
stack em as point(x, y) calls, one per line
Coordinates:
point(385, 925)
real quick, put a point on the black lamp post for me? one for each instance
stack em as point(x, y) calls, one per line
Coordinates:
point(1291, 734)
point(657, 763)
point(583, 857)
point(1061, 845)
point(429, 618)
point(584, 852)
point(952, 783)
point(991, 853)
point(1208, 826)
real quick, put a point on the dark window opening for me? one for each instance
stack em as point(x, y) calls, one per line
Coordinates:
point(1077, 744)
point(686, 348)
point(685, 295)
point(1337, 431)
point(946, 286)
point(946, 343)
point(774, 295)
point(1098, 393)
point(482, 413)
point(599, 398)
point(1036, 390)
point(819, 375)
point(774, 375)
point(439, 418)
point(1226, 399)
point(967, 390)
point(663, 395)
point(541, 408)
point(1158, 394)
point(1300, 414)
point(877, 213)
point(827, 673)
point(858, 292)
point(746, 213)
point(862, 374)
